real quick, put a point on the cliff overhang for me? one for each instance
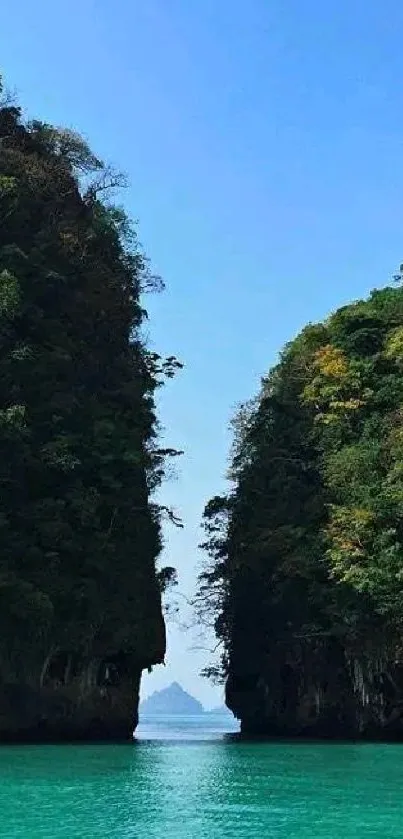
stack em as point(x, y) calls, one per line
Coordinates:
point(321, 690)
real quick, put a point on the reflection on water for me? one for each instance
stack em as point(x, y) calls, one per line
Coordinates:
point(184, 780)
point(186, 728)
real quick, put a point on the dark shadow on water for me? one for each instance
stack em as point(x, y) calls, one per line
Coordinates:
point(238, 739)
point(277, 740)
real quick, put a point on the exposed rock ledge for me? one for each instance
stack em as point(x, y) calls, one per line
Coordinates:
point(75, 699)
point(320, 690)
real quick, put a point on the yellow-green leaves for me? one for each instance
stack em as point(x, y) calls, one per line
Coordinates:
point(336, 388)
point(394, 345)
point(9, 294)
point(7, 186)
point(351, 532)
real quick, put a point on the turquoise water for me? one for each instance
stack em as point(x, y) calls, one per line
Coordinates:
point(185, 780)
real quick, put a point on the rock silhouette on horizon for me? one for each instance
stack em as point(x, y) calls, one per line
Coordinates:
point(171, 700)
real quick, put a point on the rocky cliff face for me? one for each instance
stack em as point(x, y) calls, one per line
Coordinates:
point(80, 461)
point(304, 572)
point(78, 698)
point(319, 688)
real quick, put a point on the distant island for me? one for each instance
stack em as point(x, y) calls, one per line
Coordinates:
point(171, 700)
point(175, 700)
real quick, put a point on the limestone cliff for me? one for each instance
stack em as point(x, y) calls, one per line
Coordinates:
point(80, 531)
point(78, 697)
point(321, 689)
point(304, 579)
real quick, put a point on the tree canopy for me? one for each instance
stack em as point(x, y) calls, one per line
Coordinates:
point(79, 454)
point(308, 542)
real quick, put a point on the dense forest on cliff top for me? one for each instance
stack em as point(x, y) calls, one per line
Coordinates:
point(308, 542)
point(79, 453)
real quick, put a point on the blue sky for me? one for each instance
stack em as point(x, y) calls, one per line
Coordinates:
point(263, 141)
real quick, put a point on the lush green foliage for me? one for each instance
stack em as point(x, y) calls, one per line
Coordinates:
point(309, 541)
point(79, 454)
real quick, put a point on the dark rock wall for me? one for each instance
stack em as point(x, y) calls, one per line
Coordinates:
point(77, 698)
point(320, 689)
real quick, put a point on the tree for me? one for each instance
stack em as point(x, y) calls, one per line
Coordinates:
point(79, 453)
point(312, 542)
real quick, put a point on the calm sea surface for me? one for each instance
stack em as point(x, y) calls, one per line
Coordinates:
point(184, 779)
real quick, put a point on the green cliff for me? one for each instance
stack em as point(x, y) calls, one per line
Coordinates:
point(80, 597)
point(304, 580)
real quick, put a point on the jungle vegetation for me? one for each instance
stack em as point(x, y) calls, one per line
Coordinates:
point(308, 540)
point(80, 459)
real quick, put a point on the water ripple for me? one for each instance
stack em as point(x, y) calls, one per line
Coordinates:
point(201, 789)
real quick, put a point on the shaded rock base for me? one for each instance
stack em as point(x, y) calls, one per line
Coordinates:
point(320, 691)
point(68, 714)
